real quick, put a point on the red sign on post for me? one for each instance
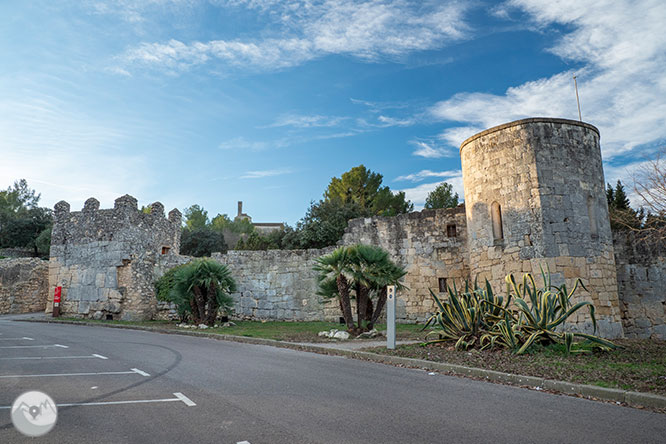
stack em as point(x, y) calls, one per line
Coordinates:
point(56, 301)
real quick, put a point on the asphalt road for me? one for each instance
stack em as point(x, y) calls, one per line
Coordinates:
point(261, 394)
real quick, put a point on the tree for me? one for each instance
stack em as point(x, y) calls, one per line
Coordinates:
point(362, 272)
point(196, 217)
point(200, 289)
point(357, 193)
point(622, 216)
point(323, 224)
point(363, 188)
point(442, 197)
point(43, 242)
point(18, 197)
point(21, 219)
point(201, 241)
point(258, 241)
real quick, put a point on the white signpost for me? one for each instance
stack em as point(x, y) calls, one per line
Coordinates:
point(390, 317)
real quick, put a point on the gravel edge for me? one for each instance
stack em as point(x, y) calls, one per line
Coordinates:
point(588, 391)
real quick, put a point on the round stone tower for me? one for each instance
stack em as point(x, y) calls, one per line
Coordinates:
point(535, 197)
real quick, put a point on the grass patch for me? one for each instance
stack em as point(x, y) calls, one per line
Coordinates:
point(639, 365)
point(303, 331)
point(278, 330)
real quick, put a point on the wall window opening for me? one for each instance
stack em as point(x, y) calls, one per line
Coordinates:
point(451, 231)
point(165, 250)
point(592, 214)
point(496, 217)
point(442, 285)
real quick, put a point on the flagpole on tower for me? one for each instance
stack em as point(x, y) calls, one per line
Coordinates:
point(577, 99)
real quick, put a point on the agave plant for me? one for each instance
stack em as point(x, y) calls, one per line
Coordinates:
point(468, 316)
point(541, 310)
point(479, 317)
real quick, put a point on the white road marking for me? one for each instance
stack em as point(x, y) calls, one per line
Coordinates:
point(99, 356)
point(51, 375)
point(24, 338)
point(34, 346)
point(61, 346)
point(180, 398)
point(188, 402)
point(243, 442)
point(54, 357)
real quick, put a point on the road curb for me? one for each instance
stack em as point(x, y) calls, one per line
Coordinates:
point(588, 391)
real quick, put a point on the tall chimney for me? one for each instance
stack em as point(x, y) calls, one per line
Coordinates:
point(240, 207)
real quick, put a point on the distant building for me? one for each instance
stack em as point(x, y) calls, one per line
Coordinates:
point(261, 227)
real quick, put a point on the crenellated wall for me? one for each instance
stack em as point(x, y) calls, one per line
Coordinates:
point(534, 192)
point(105, 259)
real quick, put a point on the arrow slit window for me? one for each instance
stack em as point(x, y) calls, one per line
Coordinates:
point(496, 217)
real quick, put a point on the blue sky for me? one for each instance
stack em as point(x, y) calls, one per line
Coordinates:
point(211, 102)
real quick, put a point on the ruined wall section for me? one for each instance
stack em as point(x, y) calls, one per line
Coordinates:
point(641, 278)
point(17, 252)
point(534, 194)
point(105, 259)
point(278, 285)
point(431, 245)
point(23, 285)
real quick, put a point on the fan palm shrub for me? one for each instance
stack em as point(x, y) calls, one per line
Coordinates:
point(199, 289)
point(360, 272)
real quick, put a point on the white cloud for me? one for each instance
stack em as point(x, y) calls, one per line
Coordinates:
point(314, 121)
point(431, 149)
point(310, 29)
point(243, 144)
point(425, 174)
point(263, 173)
point(622, 48)
point(419, 193)
point(391, 121)
point(425, 150)
point(457, 135)
point(133, 11)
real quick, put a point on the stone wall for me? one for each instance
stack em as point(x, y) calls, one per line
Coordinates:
point(272, 285)
point(23, 285)
point(535, 197)
point(641, 276)
point(431, 245)
point(278, 285)
point(534, 194)
point(17, 252)
point(105, 259)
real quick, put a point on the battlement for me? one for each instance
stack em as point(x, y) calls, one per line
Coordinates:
point(103, 257)
point(123, 221)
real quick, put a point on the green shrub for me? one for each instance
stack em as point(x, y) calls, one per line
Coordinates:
point(164, 285)
point(360, 272)
point(477, 317)
point(200, 289)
